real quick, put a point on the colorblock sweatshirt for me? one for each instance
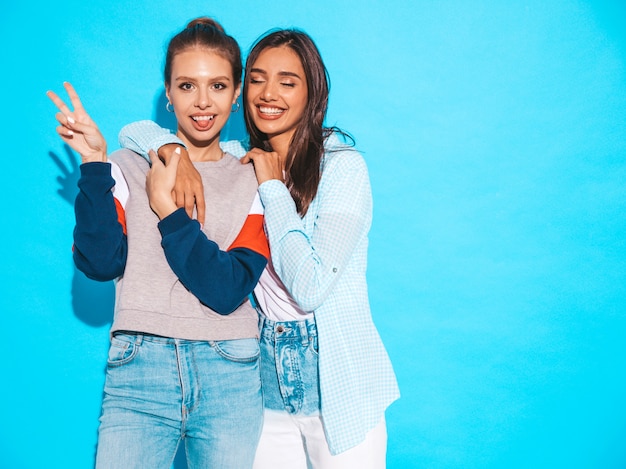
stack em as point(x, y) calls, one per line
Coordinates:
point(172, 278)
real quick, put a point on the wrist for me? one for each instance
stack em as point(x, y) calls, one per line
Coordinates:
point(99, 157)
point(163, 207)
point(165, 151)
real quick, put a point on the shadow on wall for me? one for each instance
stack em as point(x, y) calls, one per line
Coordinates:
point(180, 461)
point(235, 128)
point(92, 301)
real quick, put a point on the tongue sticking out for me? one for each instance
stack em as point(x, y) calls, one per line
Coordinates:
point(203, 124)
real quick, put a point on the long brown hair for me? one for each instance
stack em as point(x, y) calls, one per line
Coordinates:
point(302, 167)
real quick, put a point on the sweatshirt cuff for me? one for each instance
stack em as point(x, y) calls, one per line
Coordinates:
point(95, 177)
point(95, 168)
point(174, 222)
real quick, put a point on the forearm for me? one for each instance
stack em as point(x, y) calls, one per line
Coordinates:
point(100, 245)
point(143, 136)
point(220, 279)
point(309, 261)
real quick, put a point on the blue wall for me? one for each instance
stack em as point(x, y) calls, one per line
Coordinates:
point(495, 133)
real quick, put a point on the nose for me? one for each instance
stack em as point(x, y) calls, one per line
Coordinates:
point(269, 91)
point(203, 99)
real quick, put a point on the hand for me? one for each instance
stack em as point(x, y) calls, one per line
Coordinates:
point(160, 184)
point(188, 189)
point(267, 165)
point(77, 129)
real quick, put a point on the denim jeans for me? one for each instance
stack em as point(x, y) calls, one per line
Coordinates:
point(159, 391)
point(289, 366)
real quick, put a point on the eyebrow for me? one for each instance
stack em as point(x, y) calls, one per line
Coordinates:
point(185, 78)
point(282, 74)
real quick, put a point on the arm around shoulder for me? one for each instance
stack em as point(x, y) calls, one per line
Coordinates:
point(143, 136)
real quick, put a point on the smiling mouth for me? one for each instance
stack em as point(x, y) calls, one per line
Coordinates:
point(271, 111)
point(202, 118)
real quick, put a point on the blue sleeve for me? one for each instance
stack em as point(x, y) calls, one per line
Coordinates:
point(221, 280)
point(100, 245)
point(146, 135)
point(310, 263)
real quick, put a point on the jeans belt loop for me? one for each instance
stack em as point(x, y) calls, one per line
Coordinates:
point(304, 333)
point(138, 338)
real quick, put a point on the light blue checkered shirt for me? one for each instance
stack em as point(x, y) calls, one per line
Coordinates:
point(321, 258)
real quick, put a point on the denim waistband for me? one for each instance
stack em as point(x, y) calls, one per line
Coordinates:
point(273, 330)
point(139, 337)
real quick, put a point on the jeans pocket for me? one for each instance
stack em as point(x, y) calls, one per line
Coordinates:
point(238, 350)
point(122, 350)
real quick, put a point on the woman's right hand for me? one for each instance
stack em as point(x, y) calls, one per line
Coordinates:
point(188, 189)
point(77, 129)
point(160, 181)
point(267, 165)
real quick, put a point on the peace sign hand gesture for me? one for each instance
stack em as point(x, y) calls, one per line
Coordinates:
point(77, 129)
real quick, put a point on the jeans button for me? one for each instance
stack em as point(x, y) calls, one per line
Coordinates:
point(280, 329)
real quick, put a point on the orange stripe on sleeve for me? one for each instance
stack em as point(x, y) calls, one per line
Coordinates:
point(252, 236)
point(121, 214)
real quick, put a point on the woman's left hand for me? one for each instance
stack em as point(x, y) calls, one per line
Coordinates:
point(267, 165)
point(160, 182)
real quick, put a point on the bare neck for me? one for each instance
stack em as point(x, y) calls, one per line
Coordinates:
point(202, 151)
point(280, 144)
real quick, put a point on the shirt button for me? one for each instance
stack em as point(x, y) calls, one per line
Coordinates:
point(334, 270)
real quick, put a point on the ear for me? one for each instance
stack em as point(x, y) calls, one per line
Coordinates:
point(167, 92)
point(237, 93)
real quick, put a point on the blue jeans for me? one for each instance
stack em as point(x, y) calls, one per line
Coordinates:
point(160, 390)
point(289, 366)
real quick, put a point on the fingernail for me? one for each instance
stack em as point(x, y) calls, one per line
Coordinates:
point(177, 150)
point(71, 120)
point(69, 132)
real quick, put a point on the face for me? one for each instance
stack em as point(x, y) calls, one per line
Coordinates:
point(202, 92)
point(276, 92)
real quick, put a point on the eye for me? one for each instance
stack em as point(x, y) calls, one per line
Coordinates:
point(219, 86)
point(255, 80)
point(185, 86)
point(289, 84)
